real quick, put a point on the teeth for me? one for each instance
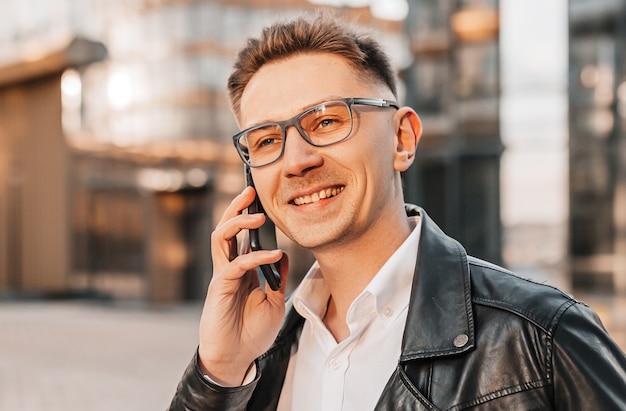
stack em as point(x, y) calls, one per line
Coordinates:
point(315, 197)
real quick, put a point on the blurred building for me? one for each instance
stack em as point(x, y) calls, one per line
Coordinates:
point(34, 166)
point(534, 130)
point(116, 158)
point(597, 104)
point(138, 161)
point(453, 83)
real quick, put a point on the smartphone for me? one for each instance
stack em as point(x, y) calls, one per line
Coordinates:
point(266, 235)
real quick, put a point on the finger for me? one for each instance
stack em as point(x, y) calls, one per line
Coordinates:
point(248, 263)
point(238, 204)
point(223, 239)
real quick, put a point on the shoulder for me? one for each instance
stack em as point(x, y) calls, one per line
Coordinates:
point(500, 289)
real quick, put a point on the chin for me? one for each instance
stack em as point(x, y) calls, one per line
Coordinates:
point(320, 236)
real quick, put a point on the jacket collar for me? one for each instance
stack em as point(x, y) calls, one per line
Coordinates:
point(440, 319)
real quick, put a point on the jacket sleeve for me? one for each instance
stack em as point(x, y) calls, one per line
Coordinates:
point(196, 393)
point(589, 367)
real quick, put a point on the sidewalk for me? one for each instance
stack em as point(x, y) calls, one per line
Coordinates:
point(91, 356)
point(95, 356)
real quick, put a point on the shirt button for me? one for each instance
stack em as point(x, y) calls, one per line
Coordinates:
point(387, 311)
point(335, 364)
point(460, 340)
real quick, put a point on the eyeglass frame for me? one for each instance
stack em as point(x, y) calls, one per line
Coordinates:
point(295, 122)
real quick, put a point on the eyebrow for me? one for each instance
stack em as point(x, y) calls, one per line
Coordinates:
point(300, 110)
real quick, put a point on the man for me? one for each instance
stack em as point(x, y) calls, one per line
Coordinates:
point(393, 314)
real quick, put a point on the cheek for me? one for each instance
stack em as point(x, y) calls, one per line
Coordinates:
point(369, 158)
point(267, 199)
point(265, 187)
point(378, 152)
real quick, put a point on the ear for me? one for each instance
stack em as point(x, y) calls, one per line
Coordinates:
point(408, 128)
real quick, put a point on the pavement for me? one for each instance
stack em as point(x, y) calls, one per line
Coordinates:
point(92, 356)
point(88, 355)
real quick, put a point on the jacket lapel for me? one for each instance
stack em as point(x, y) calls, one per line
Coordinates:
point(440, 320)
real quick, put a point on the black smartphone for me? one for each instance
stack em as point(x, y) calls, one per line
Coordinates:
point(266, 235)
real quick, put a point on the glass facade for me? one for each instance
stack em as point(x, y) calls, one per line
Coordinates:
point(597, 86)
point(453, 83)
point(148, 130)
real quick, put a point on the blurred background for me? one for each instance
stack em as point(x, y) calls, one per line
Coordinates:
point(116, 156)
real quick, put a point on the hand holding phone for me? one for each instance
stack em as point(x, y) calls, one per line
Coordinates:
point(239, 321)
point(266, 234)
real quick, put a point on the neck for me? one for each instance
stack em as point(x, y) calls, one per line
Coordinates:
point(349, 267)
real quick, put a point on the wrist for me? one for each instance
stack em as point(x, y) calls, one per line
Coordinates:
point(226, 373)
point(247, 379)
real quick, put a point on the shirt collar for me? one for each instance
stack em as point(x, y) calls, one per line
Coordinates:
point(310, 299)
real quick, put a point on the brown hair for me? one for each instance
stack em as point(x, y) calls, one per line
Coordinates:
point(322, 32)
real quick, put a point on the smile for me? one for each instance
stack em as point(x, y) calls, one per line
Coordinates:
point(315, 197)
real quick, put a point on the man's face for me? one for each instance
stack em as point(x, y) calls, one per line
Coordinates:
point(323, 196)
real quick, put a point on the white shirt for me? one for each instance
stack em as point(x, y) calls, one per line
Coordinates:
point(350, 375)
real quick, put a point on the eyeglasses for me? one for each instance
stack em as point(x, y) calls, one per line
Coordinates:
point(321, 125)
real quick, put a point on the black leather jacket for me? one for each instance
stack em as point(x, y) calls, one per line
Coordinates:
point(477, 337)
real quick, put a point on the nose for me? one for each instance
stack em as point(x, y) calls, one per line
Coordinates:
point(299, 156)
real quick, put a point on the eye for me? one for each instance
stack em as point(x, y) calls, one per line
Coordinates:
point(267, 141)
point(326, 119)
point(326, 122)
point(264, 138)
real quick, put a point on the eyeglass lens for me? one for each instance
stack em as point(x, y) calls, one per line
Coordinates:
point(321, 125)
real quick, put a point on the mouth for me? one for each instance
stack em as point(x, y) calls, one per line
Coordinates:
point(315, 197)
